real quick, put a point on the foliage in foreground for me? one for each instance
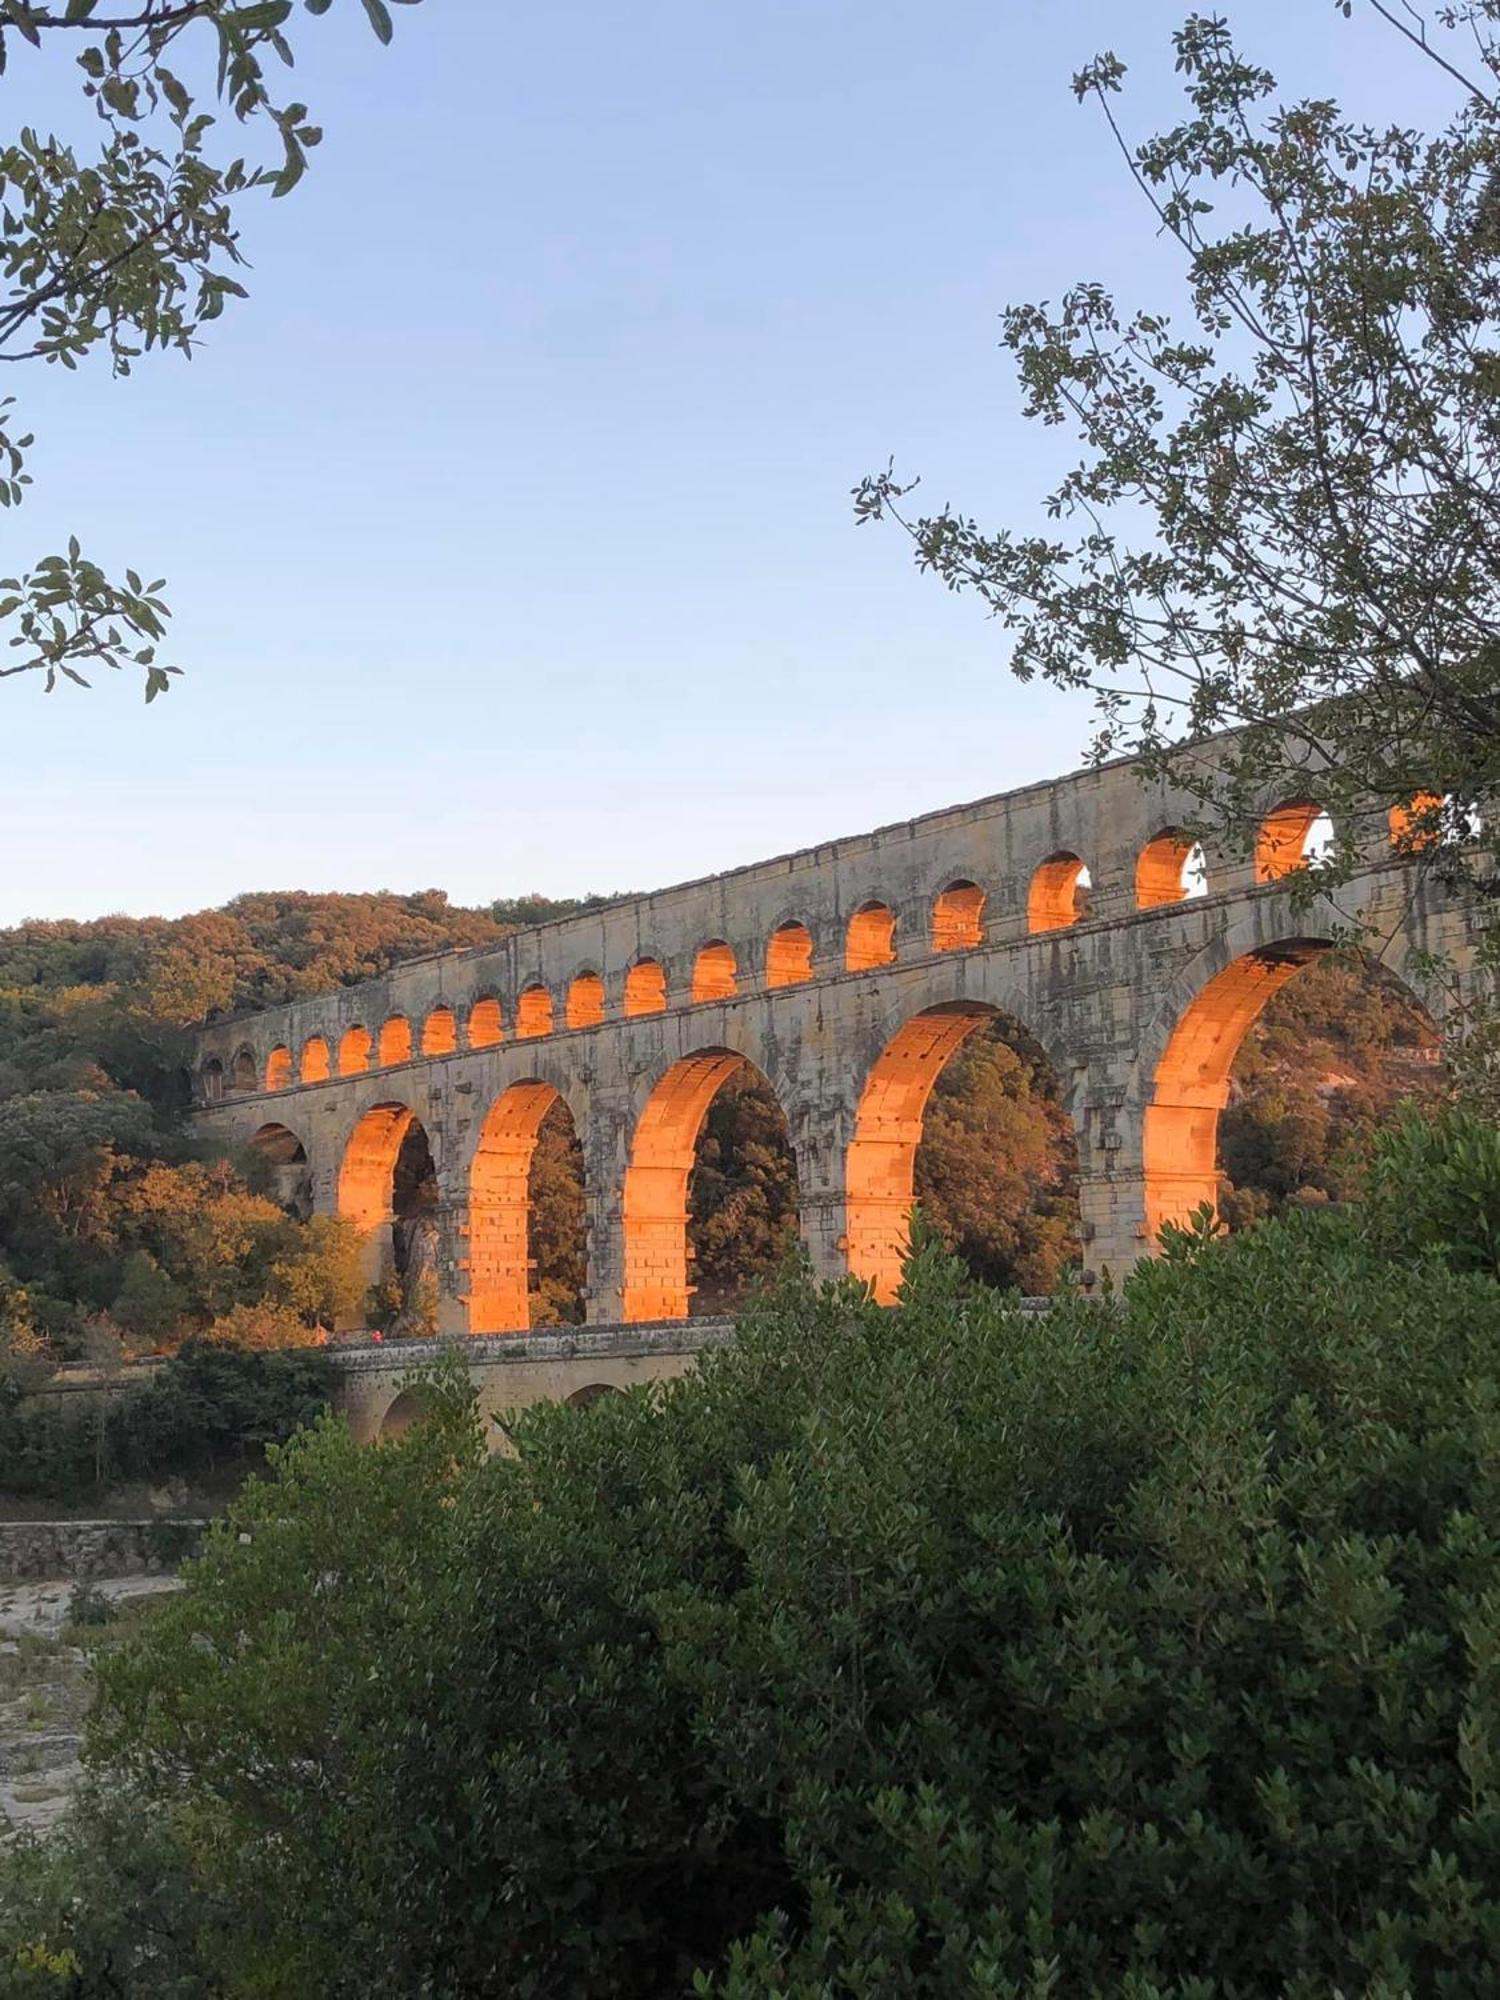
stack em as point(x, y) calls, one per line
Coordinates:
point(1147, 1649)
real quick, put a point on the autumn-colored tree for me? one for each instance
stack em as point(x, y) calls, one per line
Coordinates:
point(997, 1169)
point(559, 1262)
point(742, 1198)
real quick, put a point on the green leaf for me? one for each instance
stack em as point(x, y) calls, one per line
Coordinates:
point(380, 19)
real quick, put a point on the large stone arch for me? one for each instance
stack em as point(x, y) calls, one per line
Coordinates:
point(654, 1208)
point(880, 1163)
point(903, 1055)
point(500, 1206)
point(365, 1186)
point(1188, 1047)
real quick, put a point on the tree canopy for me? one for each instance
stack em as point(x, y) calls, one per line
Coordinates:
point(1143, 1649)
point(1283, 519)
point(131, 246)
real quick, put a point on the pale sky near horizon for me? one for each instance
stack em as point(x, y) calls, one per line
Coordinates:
point(507, 524)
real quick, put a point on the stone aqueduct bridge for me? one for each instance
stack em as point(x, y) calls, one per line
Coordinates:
point(846, 974)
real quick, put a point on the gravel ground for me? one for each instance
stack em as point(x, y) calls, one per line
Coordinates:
point(44, 1695)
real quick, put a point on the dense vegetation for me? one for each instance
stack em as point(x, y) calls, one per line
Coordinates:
point(1145, 1649)
point(207, 1415)
point(113, 1227)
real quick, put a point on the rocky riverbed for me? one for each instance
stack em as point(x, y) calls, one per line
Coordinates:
point(44, 1691)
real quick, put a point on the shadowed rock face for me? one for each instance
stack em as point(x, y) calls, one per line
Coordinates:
point(842, 977)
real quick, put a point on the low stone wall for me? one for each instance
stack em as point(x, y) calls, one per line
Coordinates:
point(31, 1550)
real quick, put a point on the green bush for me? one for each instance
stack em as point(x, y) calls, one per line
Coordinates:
point(208, 1409)
point(1146, 1649)
point(1433, 1185)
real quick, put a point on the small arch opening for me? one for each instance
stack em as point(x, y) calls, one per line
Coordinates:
point(1172, 868)
point(1296, 834)
point(958, 917)
point(871, 938)
point(591, 1393)
point(317, 1064)
point(533, 1013)
point(354, 1051)
point(645, 988)
point(789, 955)
point(211, 1081)
point(1431, 821)
point(283, 1159)
point(1059, 894)
point(584, 1007)
point(244, 1072)
point(440, 1032)
point(279, 1146)
point(484, 1024)
point(279, 1068)
point(409, 1408)
point(395, 1041)
point(715, 972)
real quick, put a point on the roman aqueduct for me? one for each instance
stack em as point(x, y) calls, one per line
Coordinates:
point(846, 975)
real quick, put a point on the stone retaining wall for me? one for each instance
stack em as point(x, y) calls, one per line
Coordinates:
point(31, 1550)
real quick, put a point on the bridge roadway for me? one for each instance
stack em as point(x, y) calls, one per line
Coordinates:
point(846, 975)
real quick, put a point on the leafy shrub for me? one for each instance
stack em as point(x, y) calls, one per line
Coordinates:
point(88, 1605)
point(1434, 1185)
point(207, 1409)
point(1147, 1649)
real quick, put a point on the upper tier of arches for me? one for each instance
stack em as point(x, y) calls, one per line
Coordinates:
point(1061, 893)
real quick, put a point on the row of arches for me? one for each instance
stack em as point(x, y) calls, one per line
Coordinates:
point(1189, 1087)
point(1171, 868)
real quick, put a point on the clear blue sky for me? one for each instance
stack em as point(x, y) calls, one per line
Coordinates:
point(507, 524)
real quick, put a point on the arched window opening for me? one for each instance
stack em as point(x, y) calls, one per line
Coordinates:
point(527, 1234)
point(958, 918)
point(1172, 868)
point(1296, 834)
point(534, 1013)
point(871, 939)
point(354, 1051)
point(715, 972)
point(484, 1028)
point(409, 1408)
point(962, 1112)
point(1059, 894)
point(279, 1069)
point(283, 1161)
point(739, 1216)
point(585, 1003)
point(244, 1072)
point(279, 1146)
point(388, 1189)
point(1430, 821)
point(593, 1392)
point(789, 955)
point(1278, 1071)
point(645, 988)
point(440, 1032)
point(211, 1081)
point(395, 1041)
point(316, 1063)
